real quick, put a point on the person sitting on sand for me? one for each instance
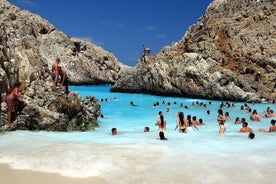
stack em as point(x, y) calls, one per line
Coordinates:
point(255, 116)
point(12, 101)
point(245, 128)
point(162, 136)
point(161, 123)
point(272, 128)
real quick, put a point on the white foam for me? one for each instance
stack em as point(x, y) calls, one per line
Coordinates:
point(204, 156)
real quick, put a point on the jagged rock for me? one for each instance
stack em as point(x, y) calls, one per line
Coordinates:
point(212, 61)
point(28, 47)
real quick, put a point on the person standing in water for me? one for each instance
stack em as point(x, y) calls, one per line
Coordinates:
point(245, 128)
point(162, 123)
point(162, 136)
point(272, 128)
point(221, 121)
point(181, 123)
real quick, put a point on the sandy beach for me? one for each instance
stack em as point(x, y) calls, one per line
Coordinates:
point(13, 176)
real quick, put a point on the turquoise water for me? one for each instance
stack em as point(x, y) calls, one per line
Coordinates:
point(200, 156)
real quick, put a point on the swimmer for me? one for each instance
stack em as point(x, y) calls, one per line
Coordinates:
point(245, 128)
point(146, 129)
point(251, 135)
point(162, 136)
point(272, 128)
point(114, 131)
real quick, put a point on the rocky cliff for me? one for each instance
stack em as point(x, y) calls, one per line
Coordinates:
point(28, 47)
point(230, 54)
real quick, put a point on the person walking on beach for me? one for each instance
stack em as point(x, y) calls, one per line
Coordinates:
point(162, 123)
point(55, 74)
point(221, 121)
point(12, 101)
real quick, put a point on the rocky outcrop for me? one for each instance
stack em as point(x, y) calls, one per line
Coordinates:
point(211, 61)
point(28, 47)
point(32, 42)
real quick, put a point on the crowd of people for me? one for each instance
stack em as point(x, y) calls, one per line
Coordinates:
point(184, 125)
point(190, 123)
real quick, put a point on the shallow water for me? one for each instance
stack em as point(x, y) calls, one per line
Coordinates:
point(200, 156)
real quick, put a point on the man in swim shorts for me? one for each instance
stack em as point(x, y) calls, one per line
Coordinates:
point(55, 74)
point(12, 102)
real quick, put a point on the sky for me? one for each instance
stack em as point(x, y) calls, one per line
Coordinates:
point(120, 27)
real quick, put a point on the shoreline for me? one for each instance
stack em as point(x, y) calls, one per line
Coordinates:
point(15, 176)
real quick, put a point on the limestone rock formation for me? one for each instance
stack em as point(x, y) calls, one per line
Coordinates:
point(228, 55)
point(28, 47)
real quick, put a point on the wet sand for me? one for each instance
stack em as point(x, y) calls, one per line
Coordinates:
point(13, 176)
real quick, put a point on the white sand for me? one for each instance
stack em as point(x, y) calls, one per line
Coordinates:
point(12, 176)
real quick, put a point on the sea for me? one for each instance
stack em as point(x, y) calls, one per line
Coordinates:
point(133, 156)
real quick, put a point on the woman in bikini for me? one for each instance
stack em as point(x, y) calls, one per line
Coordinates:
point(12, 101)
point(181, 123)
point(161, 123)
point(221, 121)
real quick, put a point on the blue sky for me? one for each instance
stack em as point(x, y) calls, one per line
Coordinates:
point(120, 26)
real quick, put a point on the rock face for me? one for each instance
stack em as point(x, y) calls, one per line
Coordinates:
point(28, 47)
point(231, 57)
